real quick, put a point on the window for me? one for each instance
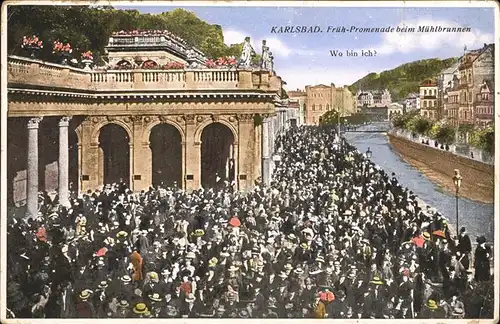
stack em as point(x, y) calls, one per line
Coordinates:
point(425, 92)
point(327, 107)
point(313, 107)
point(425, 103)
point(470, 96)
point(320, 107)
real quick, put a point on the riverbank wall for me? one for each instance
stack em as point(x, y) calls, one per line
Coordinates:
point(477, 178)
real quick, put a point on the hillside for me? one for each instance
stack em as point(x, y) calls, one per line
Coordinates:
point(403, 79)
point(87, 28)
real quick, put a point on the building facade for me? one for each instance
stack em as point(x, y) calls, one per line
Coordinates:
point(373, 98)
point(300, 96)
point(394, 109)
point(428, 100)
point(443, 80)
point(411, 102)
point(321, 98)
point(451, 100)
point(79, 130)
point(476, 71)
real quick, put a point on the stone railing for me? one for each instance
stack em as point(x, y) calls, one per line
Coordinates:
point(31, 72)
point(463, 150)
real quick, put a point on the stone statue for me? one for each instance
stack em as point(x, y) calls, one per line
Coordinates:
point(271, 62)
point(265, 62)
point(246, 54)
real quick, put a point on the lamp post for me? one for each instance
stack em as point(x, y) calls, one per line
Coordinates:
point(368, 153)
point(457, 180)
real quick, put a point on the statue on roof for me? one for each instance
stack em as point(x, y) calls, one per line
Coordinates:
point(271, 62)
point(246, 54)
point(265, 61)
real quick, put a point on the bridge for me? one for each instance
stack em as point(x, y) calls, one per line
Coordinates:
point(374, 127)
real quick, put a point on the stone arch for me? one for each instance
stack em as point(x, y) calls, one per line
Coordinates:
point(147, 130)
point(201, 126)
point(218, 153)
point(99, 126)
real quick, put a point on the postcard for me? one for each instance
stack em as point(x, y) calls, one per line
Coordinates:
point(249, 160)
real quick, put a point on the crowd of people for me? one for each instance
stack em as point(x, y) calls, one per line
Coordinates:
point(332, 236)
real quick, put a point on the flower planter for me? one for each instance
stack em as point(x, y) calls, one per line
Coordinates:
point(32, 51)
point(87, 64)
point(63, 57)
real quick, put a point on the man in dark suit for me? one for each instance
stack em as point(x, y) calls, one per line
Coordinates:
point(464, 247)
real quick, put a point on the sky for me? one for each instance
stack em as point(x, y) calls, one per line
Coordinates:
point(304, 58)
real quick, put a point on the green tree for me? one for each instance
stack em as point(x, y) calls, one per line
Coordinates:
point(420, 125)
point(443, 133)
point(329, 118)
point(89, 28)
point(484, 139)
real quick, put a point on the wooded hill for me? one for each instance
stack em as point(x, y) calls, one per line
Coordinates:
point(403, 79)
point(88, 28)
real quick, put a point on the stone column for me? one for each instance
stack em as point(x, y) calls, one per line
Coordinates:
point(266, 175)
point(32, 172)
point(63, 163)
point(192, 174)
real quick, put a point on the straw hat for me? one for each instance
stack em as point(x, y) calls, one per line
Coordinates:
point(190, 255)
point(126, 278)
point(103, 284)
point(155, 297)
point(427, 236)
point(457, 311)
point(85, 294)
point(140, 308)
point(212, 262)
point(431, 304)
point(123, 303)
point(199, 232)
point(121, 234)
point(376, 280)
point(298, 271)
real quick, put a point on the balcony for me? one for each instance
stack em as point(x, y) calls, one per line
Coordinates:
point(29, 73)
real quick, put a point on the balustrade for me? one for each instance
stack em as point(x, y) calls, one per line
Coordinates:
point(35, 72)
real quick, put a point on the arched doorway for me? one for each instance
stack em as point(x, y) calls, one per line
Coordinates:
point(217, 155)
point(114, 143)
point(166, 155)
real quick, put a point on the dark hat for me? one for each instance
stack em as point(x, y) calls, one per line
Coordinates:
point(481, 239)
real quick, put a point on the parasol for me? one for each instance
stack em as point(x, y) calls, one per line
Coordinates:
point(439, 233)
point(419, 241)
point(235, 222)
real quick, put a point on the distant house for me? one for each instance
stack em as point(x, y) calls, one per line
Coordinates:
point(373, 98)
point(428, 99)
point(411, 102)
point(394, 109)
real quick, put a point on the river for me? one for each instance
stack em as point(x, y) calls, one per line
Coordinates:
point(477, 217)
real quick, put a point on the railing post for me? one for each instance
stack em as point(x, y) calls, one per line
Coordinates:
point(245, 79)
point(189, 79)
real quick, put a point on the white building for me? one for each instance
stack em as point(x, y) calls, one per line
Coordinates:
point(412, 102)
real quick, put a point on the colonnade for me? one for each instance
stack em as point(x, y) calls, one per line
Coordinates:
point(32, 165)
